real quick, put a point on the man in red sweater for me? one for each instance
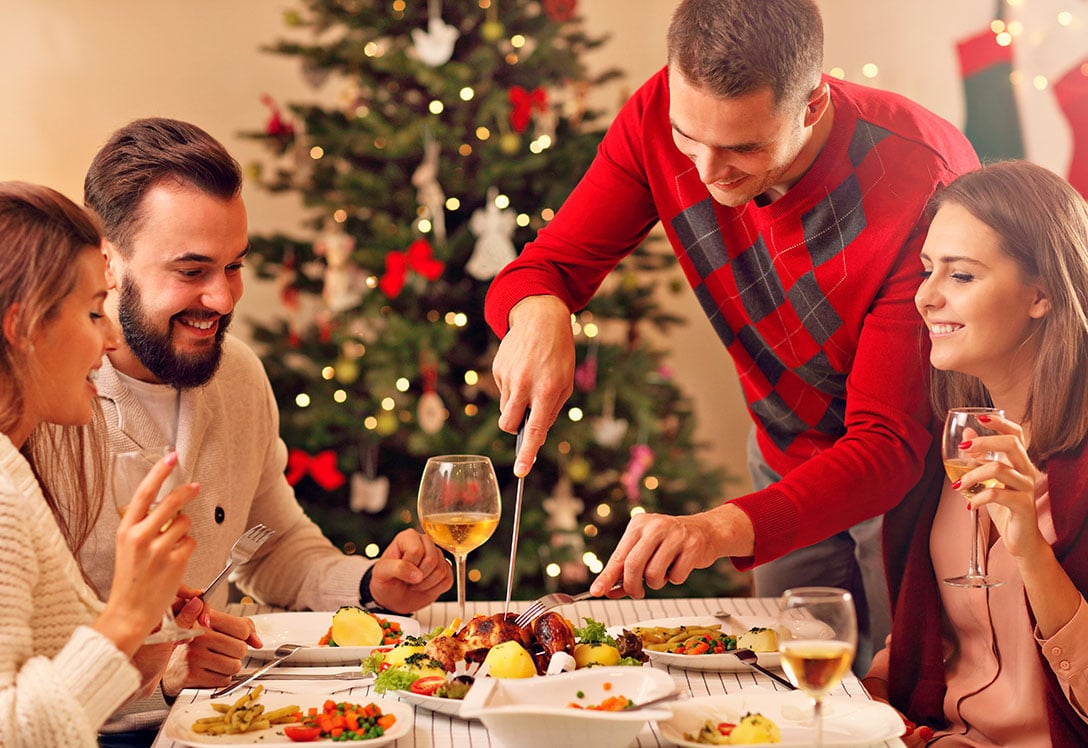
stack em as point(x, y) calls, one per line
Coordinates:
point(795, 204)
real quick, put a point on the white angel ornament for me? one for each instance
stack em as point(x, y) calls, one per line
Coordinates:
point(494, 229)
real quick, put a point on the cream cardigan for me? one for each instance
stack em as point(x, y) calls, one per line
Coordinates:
point(59, 679)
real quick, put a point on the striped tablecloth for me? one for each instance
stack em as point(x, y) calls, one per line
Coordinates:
point(439, 731)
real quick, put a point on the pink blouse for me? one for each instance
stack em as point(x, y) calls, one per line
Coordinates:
point(994, 675)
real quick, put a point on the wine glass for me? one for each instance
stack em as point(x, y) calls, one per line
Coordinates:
point(127, 471)
point(817, 638)
point(459, 507)
point(962, 424)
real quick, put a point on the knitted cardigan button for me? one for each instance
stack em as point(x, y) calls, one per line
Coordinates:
point(220, 515)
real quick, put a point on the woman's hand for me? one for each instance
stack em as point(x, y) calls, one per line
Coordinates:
point(153, 549)
point(1012, 503)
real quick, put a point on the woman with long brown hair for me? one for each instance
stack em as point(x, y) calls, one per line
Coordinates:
point(1004, 297)
point(67, 660)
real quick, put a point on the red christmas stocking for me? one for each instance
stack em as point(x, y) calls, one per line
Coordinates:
point(1071, 90)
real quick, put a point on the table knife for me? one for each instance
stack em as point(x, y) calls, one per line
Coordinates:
point(517, 514)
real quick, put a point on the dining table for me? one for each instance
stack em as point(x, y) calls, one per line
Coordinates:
point(434, 730)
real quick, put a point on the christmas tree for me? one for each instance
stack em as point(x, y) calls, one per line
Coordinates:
point(456, 133)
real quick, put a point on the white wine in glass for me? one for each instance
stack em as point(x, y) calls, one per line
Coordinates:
point(127, 471)
point(459, 507)
point(817, 638)
point(962, 424)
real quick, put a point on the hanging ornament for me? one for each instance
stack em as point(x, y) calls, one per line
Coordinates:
point(642, 457)
point(429, 192)
point(576, 105)
point(314, 75)
point(563, 509)
point(276, 126)
point(290, 296)
point(418, 258)
point(346, 370)
point(387, 423)
point(431, 411)
point(369, 492)
point(523, 104)
point(607, 429)
point(321, 467)
point(492, 29)
point(509, 143)
point(434, 46)
point(494, 229)
point(560, 10)
point(579, 469)
point(341, 290)
point(585, 374)
point(547, 121)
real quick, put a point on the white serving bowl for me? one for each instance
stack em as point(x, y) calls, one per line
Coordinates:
point(536, 712)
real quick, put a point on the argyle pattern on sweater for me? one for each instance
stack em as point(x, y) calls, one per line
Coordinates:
point(781, 296)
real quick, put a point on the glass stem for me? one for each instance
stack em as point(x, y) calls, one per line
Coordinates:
point(975, 569)
point(818, 719)
point(460, 565)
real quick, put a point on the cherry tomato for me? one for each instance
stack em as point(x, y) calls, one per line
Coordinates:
point(427, 685)
point(725, 727)
point(302, 733)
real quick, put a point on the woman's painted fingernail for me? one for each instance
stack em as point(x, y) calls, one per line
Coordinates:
point(956, 485)
point(968, 506)
point(965, 445)
point(984, 419)
point(172, 458)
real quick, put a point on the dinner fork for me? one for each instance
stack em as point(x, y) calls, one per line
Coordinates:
point(552, 600)
point(242, 550)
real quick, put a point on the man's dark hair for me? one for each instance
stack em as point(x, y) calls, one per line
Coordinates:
point(141, 155)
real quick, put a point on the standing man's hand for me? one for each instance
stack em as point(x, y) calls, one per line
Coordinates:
point(660, 548)
point(534, 368)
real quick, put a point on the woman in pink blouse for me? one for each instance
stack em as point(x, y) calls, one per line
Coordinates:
point(1003, 296)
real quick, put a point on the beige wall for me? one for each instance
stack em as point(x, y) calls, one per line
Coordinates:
point(75, 70)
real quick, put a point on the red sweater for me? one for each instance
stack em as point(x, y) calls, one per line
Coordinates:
point(813, 295)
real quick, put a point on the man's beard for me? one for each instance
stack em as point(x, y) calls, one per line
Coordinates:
point(155, 350)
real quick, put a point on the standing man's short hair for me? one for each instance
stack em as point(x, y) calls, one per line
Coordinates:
point(144, 153)
point(734, 47)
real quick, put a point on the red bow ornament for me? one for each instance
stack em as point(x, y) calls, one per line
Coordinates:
point(321, 467)
point(276, 126)
point(524, 103)
point(418, 258)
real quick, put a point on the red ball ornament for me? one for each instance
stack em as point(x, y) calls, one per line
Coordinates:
point(560, 10)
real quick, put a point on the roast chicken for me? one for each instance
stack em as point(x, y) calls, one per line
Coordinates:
point(550, 633)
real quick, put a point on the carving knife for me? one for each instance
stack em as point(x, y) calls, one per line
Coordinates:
point(517, 515)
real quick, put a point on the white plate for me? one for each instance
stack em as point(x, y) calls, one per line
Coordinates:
point(307, 628)
point(716, 662)
point(449, 707)
point(847, 722)
point(178, 725)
